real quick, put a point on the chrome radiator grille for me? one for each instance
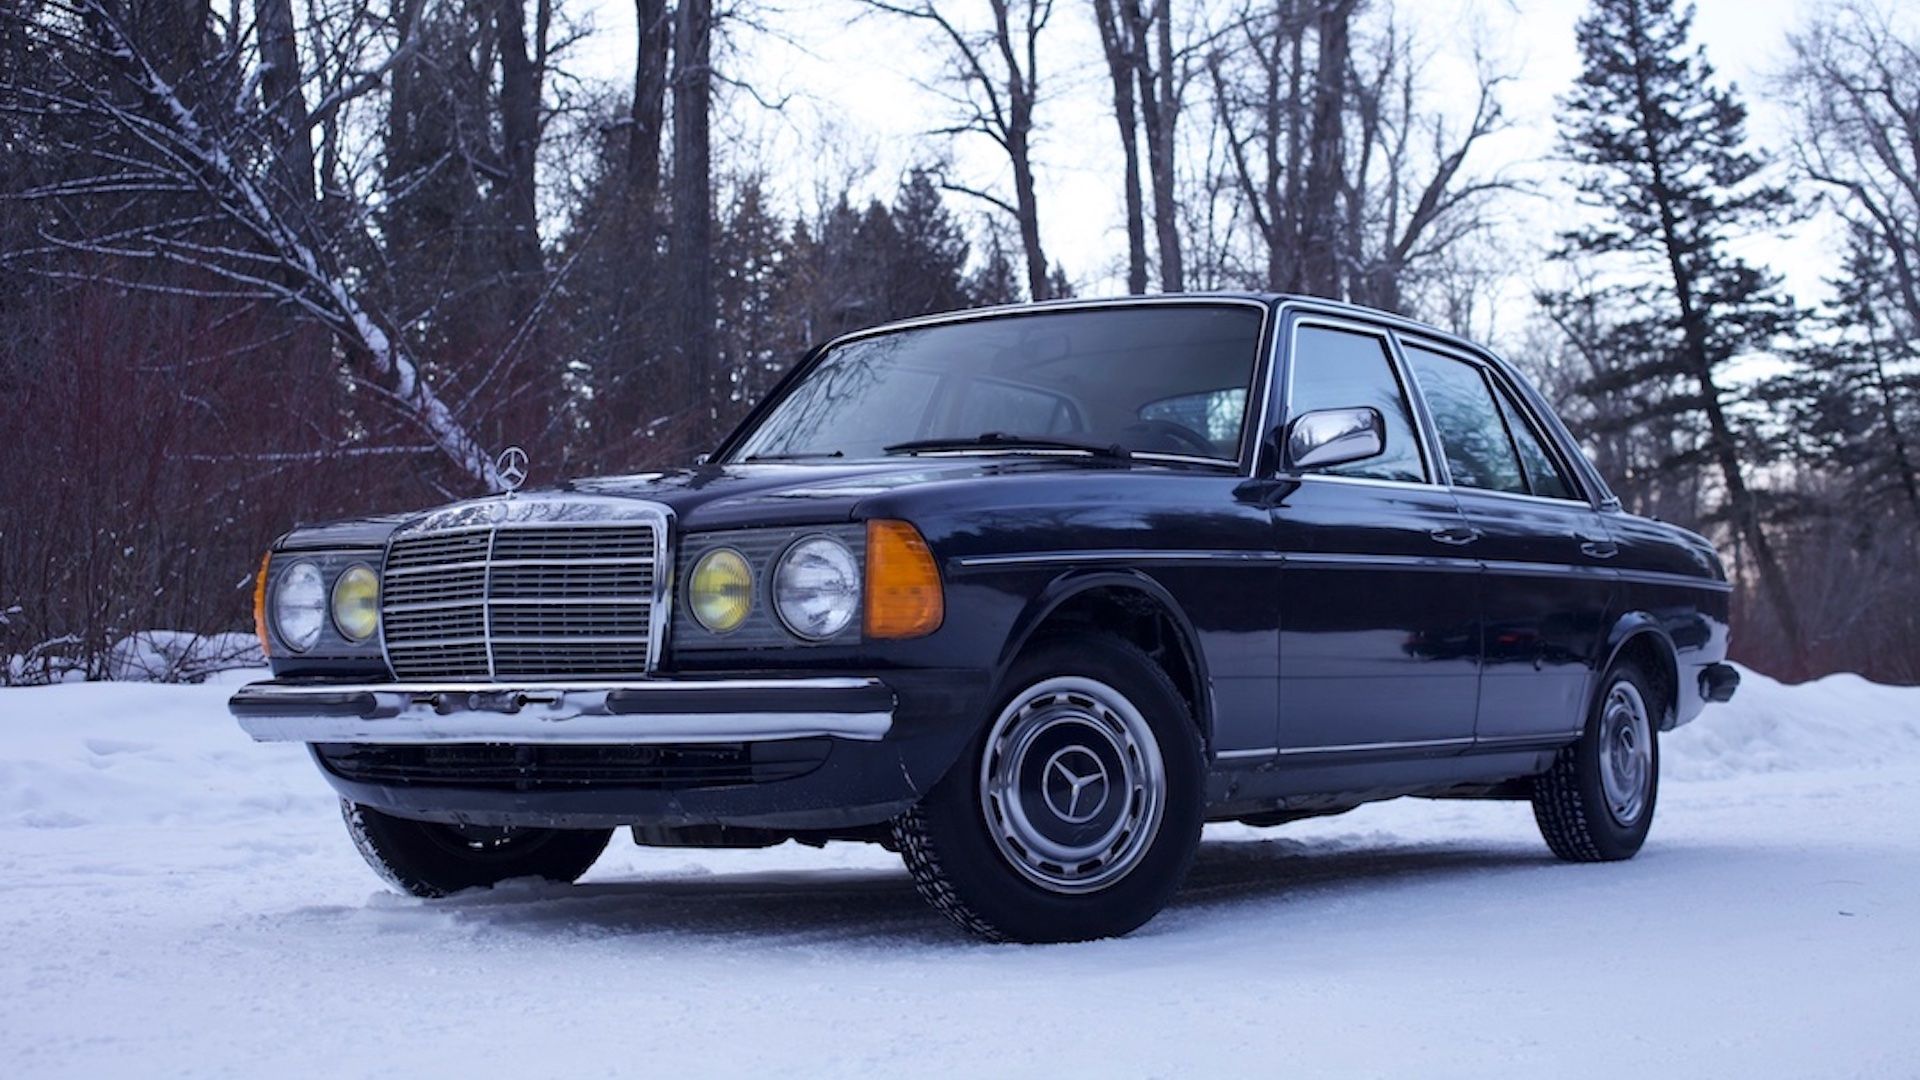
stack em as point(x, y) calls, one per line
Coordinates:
point(520, 601)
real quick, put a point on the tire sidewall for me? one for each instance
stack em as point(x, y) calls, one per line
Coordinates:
point(407, 854)
point(1614, 840)
point(1000, 894)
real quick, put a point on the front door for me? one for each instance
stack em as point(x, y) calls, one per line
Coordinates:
point(1379, 592)
point(1548, 585)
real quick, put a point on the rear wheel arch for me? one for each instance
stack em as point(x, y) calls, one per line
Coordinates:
point(1128, 605)
point(1638, 636)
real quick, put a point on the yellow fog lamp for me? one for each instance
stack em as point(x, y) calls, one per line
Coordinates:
point(721, 590)
point(356, 603)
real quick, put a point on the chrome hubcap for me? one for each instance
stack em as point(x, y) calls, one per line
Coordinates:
point(1626, 753)
point(1072, 785)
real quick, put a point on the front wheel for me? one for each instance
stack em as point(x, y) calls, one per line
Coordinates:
point(1596, 803)
point(1076, 813)
point(429, 859)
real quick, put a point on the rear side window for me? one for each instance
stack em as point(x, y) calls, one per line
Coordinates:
point(1468, 421)
point(1544, 475)
point(1342, 369)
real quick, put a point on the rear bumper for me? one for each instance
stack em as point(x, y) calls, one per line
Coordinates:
point(658, 712)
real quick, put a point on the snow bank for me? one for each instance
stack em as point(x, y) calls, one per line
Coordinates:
point(177, 656)
point(1836, 722)
point(104, 753)
point(142, 753)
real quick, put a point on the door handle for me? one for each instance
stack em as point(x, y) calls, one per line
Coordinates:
point(1455, 534)
point(1594, 548)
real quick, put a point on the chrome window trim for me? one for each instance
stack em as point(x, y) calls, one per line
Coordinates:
point(1547, 500)
point(1370, 481)
point(1504, 383)
point(1503, 386)
point(1250, 436)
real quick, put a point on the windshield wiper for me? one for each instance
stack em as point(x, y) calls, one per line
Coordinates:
point(1004, 440)
point(750, 458)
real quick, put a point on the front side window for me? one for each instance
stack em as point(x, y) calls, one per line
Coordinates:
point(1345, 369)
point(1099, 376)
point(1468, 421)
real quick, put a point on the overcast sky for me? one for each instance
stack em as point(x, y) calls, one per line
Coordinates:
point(850, 82)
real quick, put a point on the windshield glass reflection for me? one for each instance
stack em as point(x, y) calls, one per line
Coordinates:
point(1169, 380)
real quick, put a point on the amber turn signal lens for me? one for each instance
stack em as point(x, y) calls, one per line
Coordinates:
point(904, 597)
point(260, 605)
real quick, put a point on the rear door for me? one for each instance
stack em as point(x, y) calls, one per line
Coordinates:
point(1379, 601)
point(1548, 586)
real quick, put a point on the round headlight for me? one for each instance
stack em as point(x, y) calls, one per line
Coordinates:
point(817, 587)
point(721, 590)
point(300, 606)
point(356, 603)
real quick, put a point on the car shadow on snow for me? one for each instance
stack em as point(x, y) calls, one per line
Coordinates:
point(879, 907)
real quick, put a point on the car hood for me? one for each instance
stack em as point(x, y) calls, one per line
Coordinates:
point(722, 496)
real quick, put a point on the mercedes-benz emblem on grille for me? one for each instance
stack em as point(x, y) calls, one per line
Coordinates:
point(512, 467)
point(1075, 785)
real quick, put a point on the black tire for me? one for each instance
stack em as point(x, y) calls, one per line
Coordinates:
point(1582, 819)
point(429, 859)
point(960, 842)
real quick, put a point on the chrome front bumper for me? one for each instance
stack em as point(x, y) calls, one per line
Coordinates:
point(655, 711)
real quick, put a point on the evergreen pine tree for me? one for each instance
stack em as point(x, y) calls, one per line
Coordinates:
point(1663, 158)
point(1855, 394)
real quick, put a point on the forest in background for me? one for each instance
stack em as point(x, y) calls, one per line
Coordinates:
point(266, 261)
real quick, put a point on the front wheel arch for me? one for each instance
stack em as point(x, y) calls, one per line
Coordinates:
point(1127, 604)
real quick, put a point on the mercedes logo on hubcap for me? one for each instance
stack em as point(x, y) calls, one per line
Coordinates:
point(1075, 784)
point(512, 467)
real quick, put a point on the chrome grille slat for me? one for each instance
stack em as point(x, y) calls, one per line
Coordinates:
point(521, 600)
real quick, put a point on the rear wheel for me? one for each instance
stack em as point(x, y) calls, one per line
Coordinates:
point(1076, 813)
point(429, 859)
point(1596, 803)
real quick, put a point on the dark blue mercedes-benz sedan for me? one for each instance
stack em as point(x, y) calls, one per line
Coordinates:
point(1027, 594)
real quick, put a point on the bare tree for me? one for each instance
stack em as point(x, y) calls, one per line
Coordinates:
point(654, 25)
point(1855, 81)
point(1349, 185)
point(1120, 67)
point(993, 83)
point(1138, 44)
point(1160, 114)
point(523, 65)
point(232, 216)
point(692, 246)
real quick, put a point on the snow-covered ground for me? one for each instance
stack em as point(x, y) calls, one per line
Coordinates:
point(177, 900)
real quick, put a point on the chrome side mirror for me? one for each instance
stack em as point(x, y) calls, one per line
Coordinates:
point(1327, 437)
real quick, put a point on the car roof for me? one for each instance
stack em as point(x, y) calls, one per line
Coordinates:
point(1271, 299)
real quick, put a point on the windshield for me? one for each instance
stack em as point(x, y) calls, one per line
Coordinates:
point(1159, 379)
